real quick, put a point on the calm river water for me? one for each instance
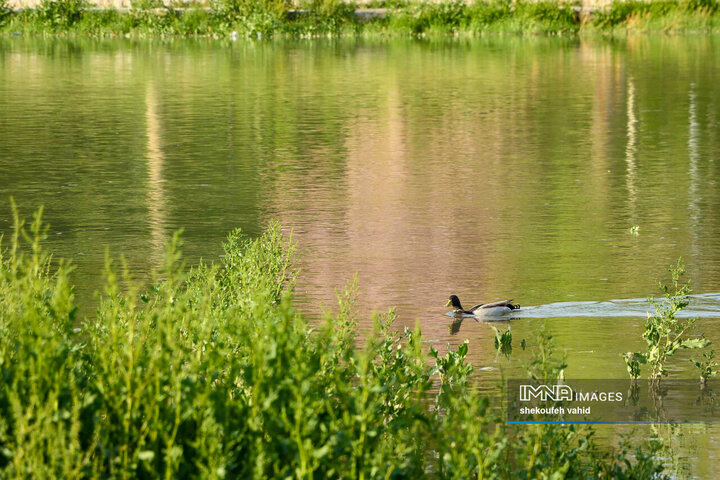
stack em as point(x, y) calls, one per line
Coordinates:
point(492, 169)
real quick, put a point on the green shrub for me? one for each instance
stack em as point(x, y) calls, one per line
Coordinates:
point(59, 14)
point(251, 17)
point(418, 18)
point(706, 5)
point(487, 13)
point(549, 12)
point(5, 12)
point(324, 17)
point(622, 13)
point(706, 367)
point(664, 333)
point(211, 373)
point(193, 21)
point(40, 406)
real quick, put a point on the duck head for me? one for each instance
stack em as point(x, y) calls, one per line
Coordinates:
point(454, 302)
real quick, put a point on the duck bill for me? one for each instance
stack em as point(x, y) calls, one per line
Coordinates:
point(449, 303)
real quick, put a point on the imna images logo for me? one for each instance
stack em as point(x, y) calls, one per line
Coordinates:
point(557, 393)
point(544, 393)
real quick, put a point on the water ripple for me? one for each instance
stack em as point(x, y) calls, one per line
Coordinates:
point(706, 305)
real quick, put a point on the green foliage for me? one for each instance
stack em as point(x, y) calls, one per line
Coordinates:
point(193, 21)
point(59, 14)
point(469, 440)
point(326, 16)
point(619, 12)
point(488, 13)
point(418, 18)
point(251, 17)
point(633, 360)
point(38, 400)
point(707, 366)
point(503, 341)
point(710, 6)
point(619, 466)
point(664, 333)
point(453, 370)
point(631, 12)
point(566, 445)
point(211, 373)
point(267, 18)
point(544, 365)
point(5, 12)
point(522, 17)
point(147, 4)
point(555, 14)
point(557, 451)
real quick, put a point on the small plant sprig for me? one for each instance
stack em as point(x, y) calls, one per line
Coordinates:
point(664, 333)
point(545, 365)
point(706, 367)
point(632, 362)
point(503, 340)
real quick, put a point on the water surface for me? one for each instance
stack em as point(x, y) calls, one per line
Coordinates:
point(491, 169)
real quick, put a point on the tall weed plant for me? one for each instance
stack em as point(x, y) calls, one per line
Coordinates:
point(665, 333)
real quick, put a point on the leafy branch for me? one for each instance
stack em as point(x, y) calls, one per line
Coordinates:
point(664, 333)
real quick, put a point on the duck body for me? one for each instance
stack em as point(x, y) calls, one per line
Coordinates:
point(483, 309)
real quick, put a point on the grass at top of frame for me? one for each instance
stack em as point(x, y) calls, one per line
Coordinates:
point(268, 18)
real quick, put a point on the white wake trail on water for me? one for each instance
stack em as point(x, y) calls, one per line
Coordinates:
point(706, 305)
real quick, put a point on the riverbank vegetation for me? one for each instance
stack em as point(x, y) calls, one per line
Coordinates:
point(211, 373)
point(266, 18)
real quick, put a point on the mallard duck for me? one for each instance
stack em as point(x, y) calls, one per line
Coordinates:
point(496, 308)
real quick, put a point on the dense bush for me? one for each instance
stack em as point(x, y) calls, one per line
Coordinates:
point(59, 14)
point(211, 373)
point(419, 18)
point(5, 12)
point(251, 17)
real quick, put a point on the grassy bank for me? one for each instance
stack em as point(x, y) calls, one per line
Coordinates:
point(211, 373)
point(265, 18)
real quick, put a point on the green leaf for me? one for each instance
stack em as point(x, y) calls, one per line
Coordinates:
point(146, 455)
point(463, 349)
point(322, 451)
point(635, 357)
point(175, 452)
point(695, 343)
